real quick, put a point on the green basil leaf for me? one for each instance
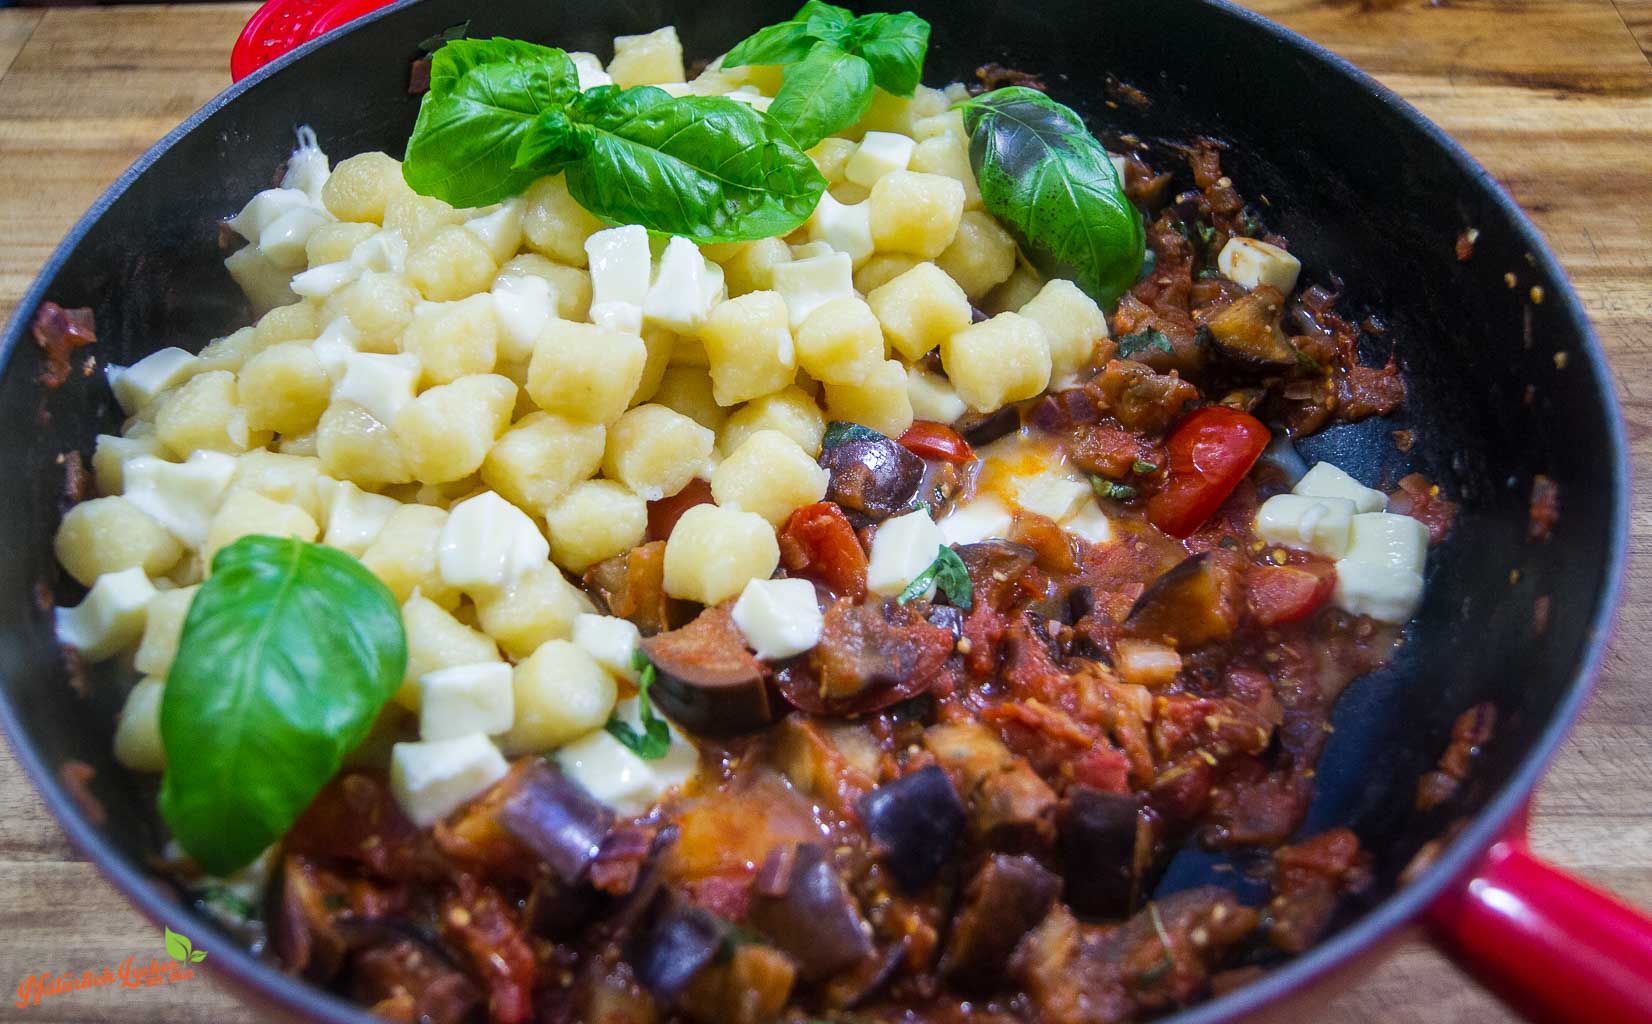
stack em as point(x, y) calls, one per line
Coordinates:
point(825, 92)
point(549, 144)
point(431, 43)
point(842, 431)
point(777, 44)
point(1051, 183)
point(288, 653)
point(484, 97)
point(950, 576)
point(1111, 490)
point(704, 167)
point(824, 21)
point(894, 44)
point(655, 740)
point(1135, 343)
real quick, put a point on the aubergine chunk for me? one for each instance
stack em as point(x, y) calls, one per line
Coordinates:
point(1005, 900)
point(1098, 851)
point(1139, 398)
point(983, 428)
point(1247, 332)
point(802, 905)
point(995, 570)
point(873, 476)
point(876, 647)
point(915, 823)
point(1198, 601)
point(555, 817)
point(708, 682)
point(683, 941)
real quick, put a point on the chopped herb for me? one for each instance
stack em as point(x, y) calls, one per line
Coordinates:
point(949, 575)
point(1132, 345)
point(652, 743)
point(1209, 274)
point(1106, 488)
point(1229, 542)
point(923, 506)
point(1206, 233)
point(1141, 467)
point(1306, 361)
point(842, 432)
point(430, 44)
point(228, 901)
point(1250, 225)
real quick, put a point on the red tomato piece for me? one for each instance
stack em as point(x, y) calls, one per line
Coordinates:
point(929, 440)
point(1277, 594)
point(1209, 453)
point(818, 542)
point(663, 514)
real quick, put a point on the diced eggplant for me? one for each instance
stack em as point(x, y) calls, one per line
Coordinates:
point(682, 942)
point(707, 681)
point(632, 586)
point(984, 428)
point(751, 988)
point(1005, 900)
point(915, 823)
point(413, 976)
point(946, 617)
point(855, 987)
point(557, 819)
point(877, 478)
point(995, 567)
point(1199, 600)
point(1013, 808)
point(1098, 851)
point(801, 904)
point(1247, 333)
point(869, 657)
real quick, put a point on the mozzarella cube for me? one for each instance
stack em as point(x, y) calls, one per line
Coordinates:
point(111, 617)
point(981, 518)
point(780, 618)
point(1327, 481)
point(384, 252)
point(1319, 525)
point(624, 317)
point(685, 289)
point(307, 167)
point(879, 153)
point(1090, 523)
point(614, 775)
point(465, 699)
point(264, 209)
point(589, 69)
point(1054, 494)
point(902, 549)
point(809, 283)
point(611, 641)
point(431, 780)
point(381, 384)
point(488, 544)
point(320, 282)
point(338, 339)
point(1250, 262)
point(181, 496)
point(282, 240)
point(500, 232)
point(1386, 593)
point(1383, 538)
point(933, 396)
point(355, 517)
point(620, 267)
point(137, 385)
point(523, 303)
point(846, 227)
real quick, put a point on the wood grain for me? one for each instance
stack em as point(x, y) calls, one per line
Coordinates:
point(1554, 96)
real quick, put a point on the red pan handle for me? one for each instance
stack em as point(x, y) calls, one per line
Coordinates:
point(1555, 948)
point(282, 25)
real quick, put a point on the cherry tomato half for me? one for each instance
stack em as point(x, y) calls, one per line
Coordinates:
point(929, 440)
point(1209, 453)
point(818, 542)
point(1277, 594)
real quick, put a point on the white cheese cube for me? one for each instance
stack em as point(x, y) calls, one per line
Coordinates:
point(181, 496)
point(1384, 592)
point(624, 317)
point(1250, 262)
point(902, 549)
point(320, 282)
point(809, 283)
point(1090, 523)
point(264, 209)
point(380, 384)
point(751, 97)
point(1383, 538)
point(487, 545)
point(620, 265)
point(933, 397)
point(355, 517)
point(1054, 494)
point(685, 289)
point(500, 231)
point(780, 618)
point(283, 238)
point(385, 252)
point(611, 642)
point(879, 153)
point(846, 227)
point(523, 305)
point(590, 71)
point(433, 779)
point(337, 342)
point(307, 168)
point(111, 617)
point(612, 774)
point(981, 518)
point(137, 385)
point(1320, 525)
point(1327, 481)
point(463, 699)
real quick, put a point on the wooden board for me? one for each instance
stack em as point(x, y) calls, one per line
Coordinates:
point(1554, 96)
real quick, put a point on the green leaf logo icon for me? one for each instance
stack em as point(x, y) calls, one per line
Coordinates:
point(178, 947)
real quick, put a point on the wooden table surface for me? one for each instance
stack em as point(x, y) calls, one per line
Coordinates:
point(1554, 96)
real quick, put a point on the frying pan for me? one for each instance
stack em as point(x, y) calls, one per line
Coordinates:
point(1505, 383)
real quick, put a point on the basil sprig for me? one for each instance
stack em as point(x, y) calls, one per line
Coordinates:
point(950, 576)
point(1134, 344)
point(288, 653)
point(501, 113)
point(1051, 183)
point(655, 740)
point(833, 60)
point(843, 431)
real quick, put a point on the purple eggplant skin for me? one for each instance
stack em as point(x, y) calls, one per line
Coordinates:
point(915, 823)
point(877, 478)
point(806, 911)
point(1098, 851)
point(555, 817)
point(682, 942)
point(984, 428)
point(1005, 900)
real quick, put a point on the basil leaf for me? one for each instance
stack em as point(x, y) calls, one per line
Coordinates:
point(776, 44)
point(824, 21)
point(1106, 488)
point(1137, 342)
point(655, 740)
point(484, 96)
point(842, 431)
point(288, 653)
point(704, 167)
point(894, 44)
point(1051, 183)
point(1141, 467)
point(826, 92)
point(431, 43)
point(950, 576)
point(550, 143)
